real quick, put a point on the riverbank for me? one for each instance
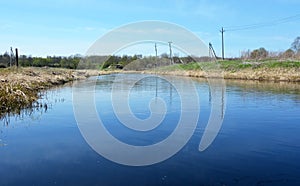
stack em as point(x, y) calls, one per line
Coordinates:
point(276, 75)
point(20, 87)
point(288, 71)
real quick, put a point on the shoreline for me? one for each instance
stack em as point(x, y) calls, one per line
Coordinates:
point(271, 75)
point(20, 87)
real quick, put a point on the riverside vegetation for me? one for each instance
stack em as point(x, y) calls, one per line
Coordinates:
point(20, 87)
point(268, 70)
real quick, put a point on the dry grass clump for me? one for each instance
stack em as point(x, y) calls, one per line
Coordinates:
point(15, 95)
point(20, 87)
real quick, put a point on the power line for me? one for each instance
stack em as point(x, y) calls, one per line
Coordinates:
point(264, 24)
point(295, 17)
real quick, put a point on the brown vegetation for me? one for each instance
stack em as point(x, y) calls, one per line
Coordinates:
point(20, 87)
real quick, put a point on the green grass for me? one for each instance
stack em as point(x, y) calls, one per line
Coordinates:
point(283, 64)
point(191, 66)
point(234, 65)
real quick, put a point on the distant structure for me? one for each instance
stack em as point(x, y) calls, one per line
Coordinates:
point(212, 52)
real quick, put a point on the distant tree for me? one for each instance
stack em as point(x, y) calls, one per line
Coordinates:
point(259, 53)
point(188, 59)
point(289, 53)
point(254, 54)
point(164, 55)
point(295, 46)
point(4, 59)
point(30, 61)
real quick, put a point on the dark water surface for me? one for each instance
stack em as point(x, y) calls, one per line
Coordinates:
point(258, 144)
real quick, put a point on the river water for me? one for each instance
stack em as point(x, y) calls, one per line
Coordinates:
point(258, 142)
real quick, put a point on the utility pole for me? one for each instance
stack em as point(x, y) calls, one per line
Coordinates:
point(155, 50)
point(170, 46)
point(155, 55)
point(222, 32)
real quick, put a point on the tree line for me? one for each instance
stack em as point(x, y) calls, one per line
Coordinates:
point(261, 53)
point(71, 62)
point(115, 62)
point(50, 61)
point(89, 62)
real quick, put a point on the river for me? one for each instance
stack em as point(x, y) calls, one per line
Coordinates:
point(257, 143)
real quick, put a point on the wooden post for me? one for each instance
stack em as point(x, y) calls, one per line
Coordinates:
point(17, 58)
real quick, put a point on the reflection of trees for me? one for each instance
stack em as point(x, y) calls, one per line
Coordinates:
point(149, 83)
point(154, 85)
point(31, 111)
point(218, 99)
point(260, 88)
point(35, 110)
point(278, 88)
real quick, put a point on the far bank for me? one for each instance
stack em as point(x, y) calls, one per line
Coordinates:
point(288, 71)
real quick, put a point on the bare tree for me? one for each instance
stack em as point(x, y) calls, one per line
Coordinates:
point(245, 54)
point(296, 45)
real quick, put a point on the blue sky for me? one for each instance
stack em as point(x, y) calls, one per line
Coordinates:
point(66, 27)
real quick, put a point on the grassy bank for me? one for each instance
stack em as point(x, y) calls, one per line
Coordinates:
point(20, 87)
point(237, 69)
